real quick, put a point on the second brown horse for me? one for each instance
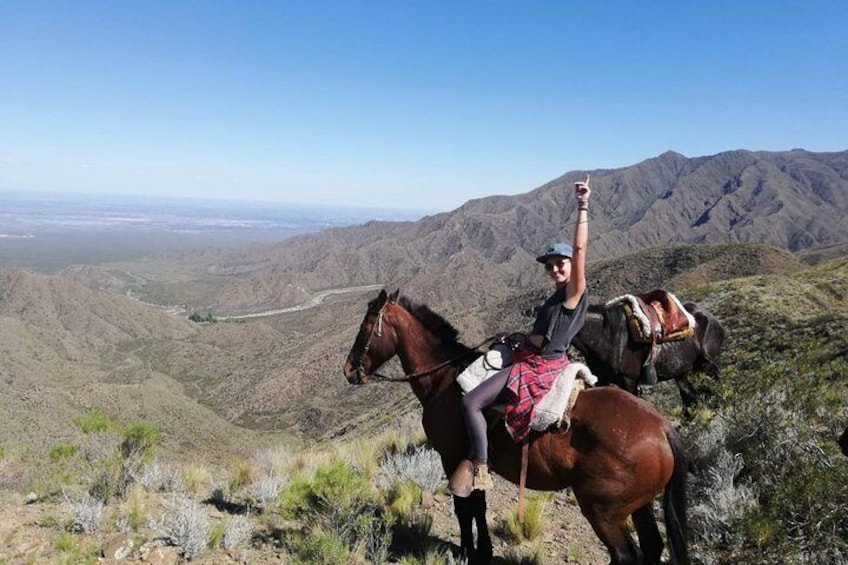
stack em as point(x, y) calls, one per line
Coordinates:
point(618, 455)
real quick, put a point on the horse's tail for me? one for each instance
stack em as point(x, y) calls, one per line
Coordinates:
point(674, 501)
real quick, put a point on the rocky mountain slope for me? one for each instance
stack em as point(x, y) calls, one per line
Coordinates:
point(66, 348)
point(75, 340)
point(795, 200)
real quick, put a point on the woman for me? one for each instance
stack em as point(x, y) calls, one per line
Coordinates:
point(542, 355)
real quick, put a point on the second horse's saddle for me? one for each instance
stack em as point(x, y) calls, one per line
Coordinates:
point(653, 318)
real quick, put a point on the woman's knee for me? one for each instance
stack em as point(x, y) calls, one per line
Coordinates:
point(470, 404)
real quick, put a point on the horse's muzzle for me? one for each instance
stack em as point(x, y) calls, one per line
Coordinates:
point(354, 375)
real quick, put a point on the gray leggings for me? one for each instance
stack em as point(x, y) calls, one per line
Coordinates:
point(473, 403)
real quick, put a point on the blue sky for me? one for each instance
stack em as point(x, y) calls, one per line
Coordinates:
point(410, 104)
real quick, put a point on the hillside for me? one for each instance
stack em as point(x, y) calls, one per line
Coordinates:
point(79, 348)
point(794, 200)
point(67, 348)
point(762, 445)
point(221, 391)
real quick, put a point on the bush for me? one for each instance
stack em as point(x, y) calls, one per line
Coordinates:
point(186, 526)
point(134, 511)
point(335, 484)
point(239, 532)
point(139, 439)
point(86, 513)
point(266, 489)
point(93, 421)
point(719, 500)
point(242, 474)
point(273, 460)
point(198, 318)
point(343, 519)
point(158, 477)
point(403, 498)
point(420, 465)
point(62, 451)
point(533, 518)
point(194, 479)
point(772, 455)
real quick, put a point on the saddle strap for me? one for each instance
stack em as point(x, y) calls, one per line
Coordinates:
point(522, 480)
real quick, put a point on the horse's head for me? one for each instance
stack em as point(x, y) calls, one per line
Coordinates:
point(375, 344)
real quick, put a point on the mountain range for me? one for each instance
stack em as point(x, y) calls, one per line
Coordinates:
point(795, 200)
point(75, 339)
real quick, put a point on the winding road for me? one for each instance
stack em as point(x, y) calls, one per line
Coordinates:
point(314, 301)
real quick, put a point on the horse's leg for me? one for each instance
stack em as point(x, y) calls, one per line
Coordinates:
point(631, 385)
point(610, 525)
point(464, 511)
point(703, 364)
point(688, 395)
point(650, 540)
point(484, 541)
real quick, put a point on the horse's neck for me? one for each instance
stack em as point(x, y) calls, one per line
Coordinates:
point(419, 351)
point(594, 337)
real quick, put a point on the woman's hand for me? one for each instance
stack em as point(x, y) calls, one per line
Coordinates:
point(582, 192)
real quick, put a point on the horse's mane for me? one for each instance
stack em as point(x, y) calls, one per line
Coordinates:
point(610, 329)
point(610, 314)
point(437, 325)
point(597, 308)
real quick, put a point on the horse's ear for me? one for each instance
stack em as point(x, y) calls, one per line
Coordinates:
point(394, 295)
point(381, 298)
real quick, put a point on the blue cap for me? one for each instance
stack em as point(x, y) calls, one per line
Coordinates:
point(555, 250)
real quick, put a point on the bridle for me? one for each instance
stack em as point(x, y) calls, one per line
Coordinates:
point(377, 329)
point(378, 326)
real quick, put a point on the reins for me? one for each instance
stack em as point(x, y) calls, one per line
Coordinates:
point(431, 370)
point(377, 329)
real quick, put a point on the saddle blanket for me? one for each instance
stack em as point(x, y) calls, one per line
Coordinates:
point(552, 409)
point(675, 322)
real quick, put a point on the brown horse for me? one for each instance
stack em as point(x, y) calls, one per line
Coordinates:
point(617, 456)
point(612, 356)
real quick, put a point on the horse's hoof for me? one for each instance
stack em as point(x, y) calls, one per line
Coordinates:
point(481, 558)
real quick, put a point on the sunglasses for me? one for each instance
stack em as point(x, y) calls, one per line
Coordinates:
point(550, 266)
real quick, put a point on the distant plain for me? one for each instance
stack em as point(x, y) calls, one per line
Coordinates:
point(50, 231)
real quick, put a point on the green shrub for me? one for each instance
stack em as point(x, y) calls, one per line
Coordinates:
point(140, 439)
point(335, 484)
point(195, 478)
point(323, 547)
point(344, 521)
point(533, 518)
point(216, 535)
point(65, 542)
point(134, 510)
point(93, 421)
point(775, 488)
point(198, 318)
point(62, 452)
point(241, 475)
point(403, 499)
point(533, 554)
